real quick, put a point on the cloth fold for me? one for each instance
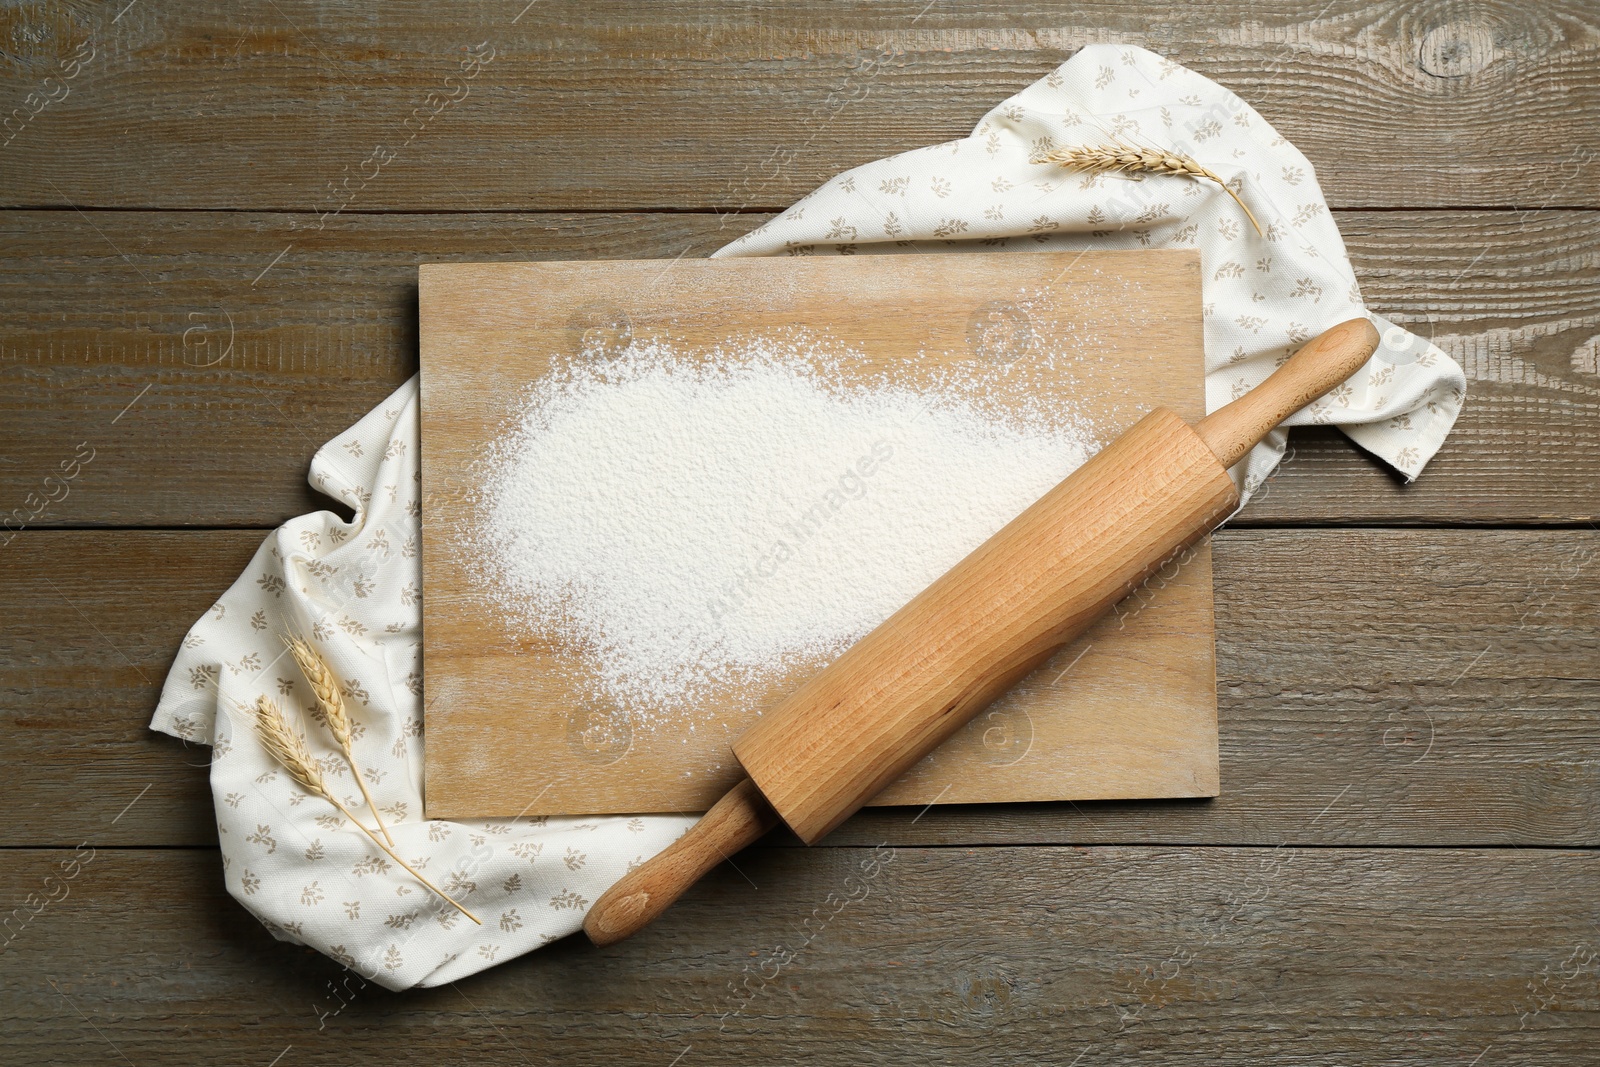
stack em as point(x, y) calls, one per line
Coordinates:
point(355, 587)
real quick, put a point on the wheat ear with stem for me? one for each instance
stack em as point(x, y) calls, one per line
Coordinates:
point(1131, 159)
point(326, 687)
point(289, 749)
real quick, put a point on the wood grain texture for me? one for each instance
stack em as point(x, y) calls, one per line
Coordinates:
point(898, 955)
point(688, 104)
point(1439, 685)
point(104, 304)
point(516, 719)
point(90, 626)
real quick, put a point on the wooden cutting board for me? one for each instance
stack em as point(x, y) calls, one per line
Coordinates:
point(1128, 711)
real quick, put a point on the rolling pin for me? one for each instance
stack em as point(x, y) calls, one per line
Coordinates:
point(831, 745)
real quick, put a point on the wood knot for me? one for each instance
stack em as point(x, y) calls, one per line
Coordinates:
point(1457, 49)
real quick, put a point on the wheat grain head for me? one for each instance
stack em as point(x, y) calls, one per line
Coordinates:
point(288, 747)
point(1115, 157)
point(324, 686)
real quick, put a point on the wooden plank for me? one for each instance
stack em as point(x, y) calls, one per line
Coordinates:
point(910, 956)
point(1512, 298)
point(91, 625)
point(1436, 687)
point(223, 435)
point(509, 705)
point(306, 105)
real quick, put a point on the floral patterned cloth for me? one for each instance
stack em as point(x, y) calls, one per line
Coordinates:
point(355, 587)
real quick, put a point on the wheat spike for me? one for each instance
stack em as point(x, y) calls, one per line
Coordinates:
point(289, 749)
point(1131, 159)
point(325, 685)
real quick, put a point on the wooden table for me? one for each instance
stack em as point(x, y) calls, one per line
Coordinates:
point(1401, 866)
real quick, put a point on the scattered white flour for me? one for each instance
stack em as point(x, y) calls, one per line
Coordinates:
point(698, 524)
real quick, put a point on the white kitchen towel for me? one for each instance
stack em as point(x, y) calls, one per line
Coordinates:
point(1265, 293)
point(355, 587)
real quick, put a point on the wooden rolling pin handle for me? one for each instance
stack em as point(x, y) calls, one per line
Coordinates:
point(739, 819)
point(1323, 363)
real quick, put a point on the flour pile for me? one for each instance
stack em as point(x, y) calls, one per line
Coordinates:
point(697, 523)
